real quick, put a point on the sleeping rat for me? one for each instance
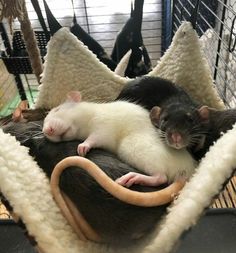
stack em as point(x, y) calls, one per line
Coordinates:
point(182, 121)
point(173, 110)
point(123, 128)
point(95, 204)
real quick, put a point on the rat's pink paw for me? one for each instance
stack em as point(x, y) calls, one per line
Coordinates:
point(83, 149)
point(130, 179)
point(124, 180)
point(137, 178)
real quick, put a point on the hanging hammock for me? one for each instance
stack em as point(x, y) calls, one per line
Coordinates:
point(27, 188)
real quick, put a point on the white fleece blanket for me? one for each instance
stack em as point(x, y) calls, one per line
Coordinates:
point(26, 187)
point(71, 66)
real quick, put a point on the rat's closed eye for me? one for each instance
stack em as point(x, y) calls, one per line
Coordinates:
point(68, 134)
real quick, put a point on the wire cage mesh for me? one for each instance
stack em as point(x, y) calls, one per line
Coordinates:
point(102, 20)
point(18, 62)
point(215, 25)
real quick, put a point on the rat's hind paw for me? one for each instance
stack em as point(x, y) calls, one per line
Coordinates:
point(137, 178)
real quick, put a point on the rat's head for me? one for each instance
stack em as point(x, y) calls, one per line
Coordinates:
point(181, 127)
point(58, 124)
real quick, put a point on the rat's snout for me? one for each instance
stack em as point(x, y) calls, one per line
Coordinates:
point(54, 128)
point(176, 137)
point(48, 130)
point(175, 140)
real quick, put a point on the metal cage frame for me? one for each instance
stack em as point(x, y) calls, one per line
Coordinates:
point(215, 24)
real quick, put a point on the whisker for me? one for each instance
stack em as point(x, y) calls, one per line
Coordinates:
point(33, 131)
point(35, 137)
point(198, 135)
point(197, 125)
point(161, 132)
point(191, 142)
point(197, 139)
point(12, 132)
point(199, 131)
point(37, 134)
point(35, 124)
point(162, 135)
point(5, 121)
point(18, 134)
point(40, 140)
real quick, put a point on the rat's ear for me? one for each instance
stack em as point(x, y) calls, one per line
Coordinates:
point(204, 112)
point(74, 96)
point(155, 115)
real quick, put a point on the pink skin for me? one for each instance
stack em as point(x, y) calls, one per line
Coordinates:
point(90, 142)
point(83, 148)
point(137, 178)
point(49, 131)
point(175, 139)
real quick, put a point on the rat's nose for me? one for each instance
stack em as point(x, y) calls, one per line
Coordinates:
point(176, 138)
point(48, 130)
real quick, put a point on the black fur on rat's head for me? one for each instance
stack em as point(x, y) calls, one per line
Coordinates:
point(181, 126)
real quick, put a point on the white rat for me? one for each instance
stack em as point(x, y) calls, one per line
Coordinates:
point(123, 128)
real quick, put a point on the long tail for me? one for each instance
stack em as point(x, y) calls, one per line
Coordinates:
point(81, 227)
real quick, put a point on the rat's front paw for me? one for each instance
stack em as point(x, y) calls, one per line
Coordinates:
point(83, 149)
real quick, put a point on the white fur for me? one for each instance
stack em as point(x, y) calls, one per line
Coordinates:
point(123, 128)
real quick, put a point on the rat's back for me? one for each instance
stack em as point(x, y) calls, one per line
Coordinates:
point(122, 117)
